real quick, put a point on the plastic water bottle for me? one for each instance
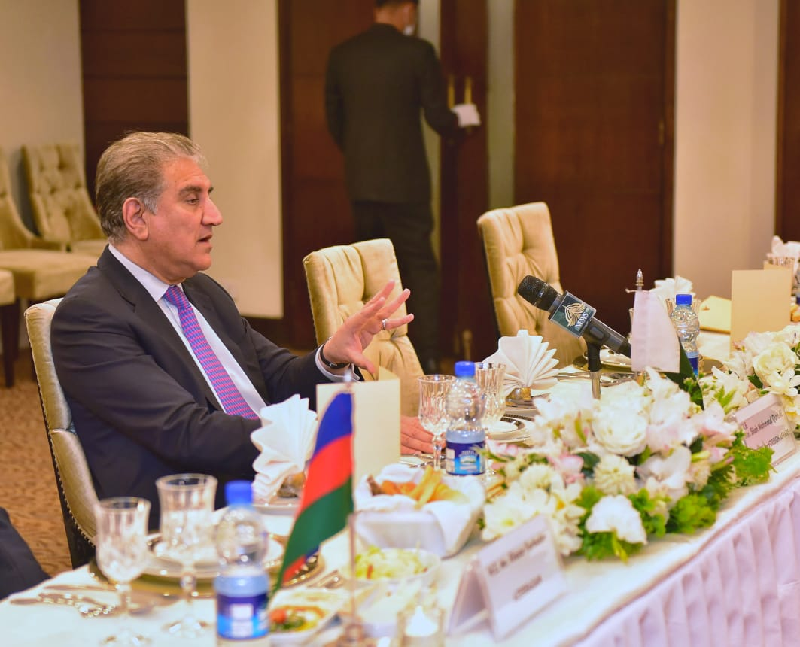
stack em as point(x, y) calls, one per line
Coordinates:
point(242, 585)
point(465, 436)
point(687, 325)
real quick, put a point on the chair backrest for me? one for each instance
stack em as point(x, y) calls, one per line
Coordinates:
point(519, 241)
point(74, 480)
point(341, 280)
point(62, 208)
point(13, 232)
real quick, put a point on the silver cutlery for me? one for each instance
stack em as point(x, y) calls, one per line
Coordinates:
point(86, 606)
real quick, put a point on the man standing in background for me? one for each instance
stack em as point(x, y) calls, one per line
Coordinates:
point(376, 86)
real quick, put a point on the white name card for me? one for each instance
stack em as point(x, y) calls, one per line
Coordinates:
point(511, 579)
point(764, 423)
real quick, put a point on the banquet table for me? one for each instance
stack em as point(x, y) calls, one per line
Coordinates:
point(737, 583)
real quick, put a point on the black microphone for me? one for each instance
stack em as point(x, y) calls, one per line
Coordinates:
point(572, 314)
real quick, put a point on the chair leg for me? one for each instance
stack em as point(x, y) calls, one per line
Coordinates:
point(9, 320)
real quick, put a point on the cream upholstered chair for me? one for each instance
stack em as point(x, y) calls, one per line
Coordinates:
point(519, 241)
point(75, 486)
point(62, 208)
point(340, 281)
point(38, 270)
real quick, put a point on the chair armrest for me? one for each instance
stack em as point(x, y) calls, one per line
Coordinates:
point(49, 244)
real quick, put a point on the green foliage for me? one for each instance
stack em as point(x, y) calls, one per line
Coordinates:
point(601, 545)
point(755, 381)
point(687, 380)
point(690, 513)
point(654, 524)
point(589, 462)
point(750, 466)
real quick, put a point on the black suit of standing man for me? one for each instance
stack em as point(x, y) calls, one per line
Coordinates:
point(377, 84)
point(144, 403)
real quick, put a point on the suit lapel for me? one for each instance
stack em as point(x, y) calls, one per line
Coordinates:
point(144, 307)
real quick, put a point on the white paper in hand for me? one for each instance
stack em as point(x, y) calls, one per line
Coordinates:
point(528, 360)
point(654, 341)
point(286, 441)
point(467, 114)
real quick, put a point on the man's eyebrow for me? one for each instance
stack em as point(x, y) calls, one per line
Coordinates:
point(194, 189)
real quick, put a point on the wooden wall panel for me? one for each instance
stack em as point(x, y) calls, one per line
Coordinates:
point(134, 71)
point(787, 194)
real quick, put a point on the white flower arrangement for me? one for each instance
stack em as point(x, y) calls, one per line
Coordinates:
point(763, 363)
point(643, 460)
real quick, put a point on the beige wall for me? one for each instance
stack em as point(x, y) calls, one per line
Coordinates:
point(234, 116)
point(725, 138)
point(40, 80)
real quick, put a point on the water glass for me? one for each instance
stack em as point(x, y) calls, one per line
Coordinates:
point(421, 626)
point(433, 390)
point(122, 553)
point(187, 507)
point(489, 376)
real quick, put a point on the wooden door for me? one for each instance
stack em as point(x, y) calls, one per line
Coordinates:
point(468, 324)
point(787, 194)
point(316, 211)
point(594, 139)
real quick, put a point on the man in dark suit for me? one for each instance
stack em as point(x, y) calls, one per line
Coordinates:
point(161, 372)
point(19, 569)
point(377, 84)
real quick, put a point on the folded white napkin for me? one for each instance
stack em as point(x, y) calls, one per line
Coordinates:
point(667, 288)
point(441, 527)
point(286, 441)
point(789, 248)
point(528, 361)
point(653, 339)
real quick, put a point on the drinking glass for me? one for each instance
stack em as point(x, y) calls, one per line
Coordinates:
point(489, 376)
point(121, 541)
point(433, 390)
point(187, 506)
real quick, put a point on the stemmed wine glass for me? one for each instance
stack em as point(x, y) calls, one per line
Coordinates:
point(122, 553)
point(187, 506)
point(433, 390)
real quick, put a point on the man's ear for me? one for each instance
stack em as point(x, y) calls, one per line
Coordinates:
point(133, 215)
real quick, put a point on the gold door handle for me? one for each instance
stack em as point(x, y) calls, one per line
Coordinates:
point(451, 91)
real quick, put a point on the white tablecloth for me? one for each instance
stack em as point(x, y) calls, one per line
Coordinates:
point(734, 584)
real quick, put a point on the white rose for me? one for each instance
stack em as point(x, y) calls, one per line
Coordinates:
point(617, 514)
point(775, 359)
point(621, 429)
point(757, 342)
point(614, 475)
point(505, 513)
point(537, 475)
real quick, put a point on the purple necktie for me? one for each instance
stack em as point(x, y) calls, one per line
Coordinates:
point(229, 396)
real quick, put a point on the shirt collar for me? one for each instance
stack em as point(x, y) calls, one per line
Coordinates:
point(150, 282)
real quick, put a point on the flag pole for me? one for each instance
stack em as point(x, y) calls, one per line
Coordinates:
point(353, 630)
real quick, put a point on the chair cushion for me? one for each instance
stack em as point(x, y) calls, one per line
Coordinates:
point(7, 294)
point(92, 247)
point(519, 241)
point(340, 281)
point(61, 205)
point(41, 274)
point(76, 479)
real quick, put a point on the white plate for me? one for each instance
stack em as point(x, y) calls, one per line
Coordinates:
point(504, 428)
point(328, 601)
point(615, 360)
point(207, 566)
point(279, 505)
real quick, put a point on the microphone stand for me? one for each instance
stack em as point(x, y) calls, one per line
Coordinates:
point(593, 355)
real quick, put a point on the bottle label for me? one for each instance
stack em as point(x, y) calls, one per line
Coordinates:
point(693, 360)
point(242, 617)
point(462, 459)
point(573, 314)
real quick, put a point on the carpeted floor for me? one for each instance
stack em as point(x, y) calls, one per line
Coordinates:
point(27, 483)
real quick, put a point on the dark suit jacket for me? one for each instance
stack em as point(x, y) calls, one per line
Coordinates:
point(376, 85)
point(19, 569)
point(140, 405)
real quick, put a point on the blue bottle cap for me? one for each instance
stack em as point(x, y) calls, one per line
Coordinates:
point(683, 299)
point(239, 492)
point(465, 369)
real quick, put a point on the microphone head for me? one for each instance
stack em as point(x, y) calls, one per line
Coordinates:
point(537, 292)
